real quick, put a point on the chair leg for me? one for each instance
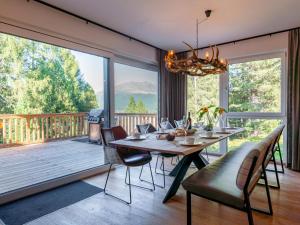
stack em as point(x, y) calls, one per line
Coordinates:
point(106, 193)
point(188, 208)
point(270, 212)
point(107, 178)
point(276, 171)
point(249, 210)
point(163, 170)
point(206, 154)
point(280, 156)
point(268, 192)
point(156, 164)
point(140, 177)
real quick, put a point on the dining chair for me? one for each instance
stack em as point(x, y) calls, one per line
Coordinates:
point(149, 128)
point(166, 125)
point(178, 123)
point(123, 156)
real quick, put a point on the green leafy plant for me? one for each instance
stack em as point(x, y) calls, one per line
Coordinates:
point(210, 114)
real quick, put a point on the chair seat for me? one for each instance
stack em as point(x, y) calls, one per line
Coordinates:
point(217, 181)
point(167, 155)
point(137, 159)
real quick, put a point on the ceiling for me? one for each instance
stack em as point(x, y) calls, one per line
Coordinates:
point(166, 23)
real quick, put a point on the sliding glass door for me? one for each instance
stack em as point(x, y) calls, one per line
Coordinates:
point(135, 96)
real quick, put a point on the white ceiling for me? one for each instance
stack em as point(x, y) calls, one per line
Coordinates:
point(166, 23)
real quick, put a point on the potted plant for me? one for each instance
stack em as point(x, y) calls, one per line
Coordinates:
point(211, 115)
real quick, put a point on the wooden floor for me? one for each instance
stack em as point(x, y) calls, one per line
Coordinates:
point(33, 164)
point(147, 207)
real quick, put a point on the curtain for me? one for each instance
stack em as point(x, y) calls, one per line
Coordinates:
point(172, 91)
point(293, 104)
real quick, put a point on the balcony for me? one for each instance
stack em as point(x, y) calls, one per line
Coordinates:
point(50, 150)
point(22, 129)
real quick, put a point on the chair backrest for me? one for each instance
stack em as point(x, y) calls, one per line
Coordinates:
point(246, 169)
point(107, 136)
point(260, 153)
point(275, 136)
point(110, 153)
point(178, 123)
point(119, 132)
point(145, 128)
point(166, 125)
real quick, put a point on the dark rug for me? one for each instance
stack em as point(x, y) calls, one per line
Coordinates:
point(35, 206)
point(85, 140)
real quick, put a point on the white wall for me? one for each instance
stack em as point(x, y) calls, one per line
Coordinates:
point(262, 45)
point(68, 31)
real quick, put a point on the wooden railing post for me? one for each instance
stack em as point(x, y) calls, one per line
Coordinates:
point(28, 130)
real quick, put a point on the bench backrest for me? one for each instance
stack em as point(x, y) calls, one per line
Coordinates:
point(262, 152)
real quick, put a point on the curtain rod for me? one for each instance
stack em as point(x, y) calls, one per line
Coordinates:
point(52, 36)
point(245, 39)
point(93, 22)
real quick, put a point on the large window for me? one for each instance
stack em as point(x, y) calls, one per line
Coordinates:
point(202, 91)
point(255, 96)
point(38, 78)
point(136, 96)
point(252, 91)
point(53, 86)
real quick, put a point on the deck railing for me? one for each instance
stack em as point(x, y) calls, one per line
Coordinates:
point(129, 120)
point(22, 129)
point(36, 128)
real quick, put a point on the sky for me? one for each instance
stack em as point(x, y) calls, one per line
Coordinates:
point(91, 67)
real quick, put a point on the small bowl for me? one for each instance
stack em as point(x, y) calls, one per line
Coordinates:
point(170, 137)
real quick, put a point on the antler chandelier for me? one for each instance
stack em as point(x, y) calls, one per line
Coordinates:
point(194, 65)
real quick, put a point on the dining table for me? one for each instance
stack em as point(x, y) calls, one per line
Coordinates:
point(180, 146)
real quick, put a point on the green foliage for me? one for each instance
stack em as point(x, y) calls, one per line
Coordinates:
point(41, 78)
point(253, 87)
point(134, 107)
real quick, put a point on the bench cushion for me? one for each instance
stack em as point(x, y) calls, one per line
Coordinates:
point(219, 181)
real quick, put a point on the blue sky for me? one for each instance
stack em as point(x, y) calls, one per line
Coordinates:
point(91, 67)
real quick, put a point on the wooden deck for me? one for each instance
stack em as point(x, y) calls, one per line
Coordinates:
point(31, 165)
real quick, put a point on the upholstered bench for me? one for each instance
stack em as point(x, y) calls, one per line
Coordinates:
point(231, 179)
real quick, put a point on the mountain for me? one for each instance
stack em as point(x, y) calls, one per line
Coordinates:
point(136, 88)
point(145, 91)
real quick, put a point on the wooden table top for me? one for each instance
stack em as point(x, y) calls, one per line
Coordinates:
point(173, 147)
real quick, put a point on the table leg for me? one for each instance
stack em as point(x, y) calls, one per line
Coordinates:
point(181, 170)
point(200, 161)
point(175, 170)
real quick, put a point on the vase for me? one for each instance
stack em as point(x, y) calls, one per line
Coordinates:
point(208, 127)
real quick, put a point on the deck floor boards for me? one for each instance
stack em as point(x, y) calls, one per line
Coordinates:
point(28, 165)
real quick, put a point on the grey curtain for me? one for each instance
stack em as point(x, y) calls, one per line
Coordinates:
point(172, 91)
point(293, 104)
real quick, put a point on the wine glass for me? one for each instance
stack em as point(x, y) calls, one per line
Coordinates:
point(163, 123)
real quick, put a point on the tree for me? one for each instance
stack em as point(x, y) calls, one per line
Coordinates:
point(134, 107)
point(41, 78)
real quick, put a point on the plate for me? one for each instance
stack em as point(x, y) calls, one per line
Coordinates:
point(183, 143)
point(212, 137)
point(223, 132)
point(135, 139)
point(160, 132)
point(231, 128)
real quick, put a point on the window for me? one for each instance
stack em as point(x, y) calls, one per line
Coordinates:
point(254, 86)
point(53, 86)
point(252, 91)
point(136, 96)
point(203, 91)
point(255, 96)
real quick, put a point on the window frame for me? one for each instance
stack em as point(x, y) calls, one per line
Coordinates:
point(224, 95)
point(135, 64)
